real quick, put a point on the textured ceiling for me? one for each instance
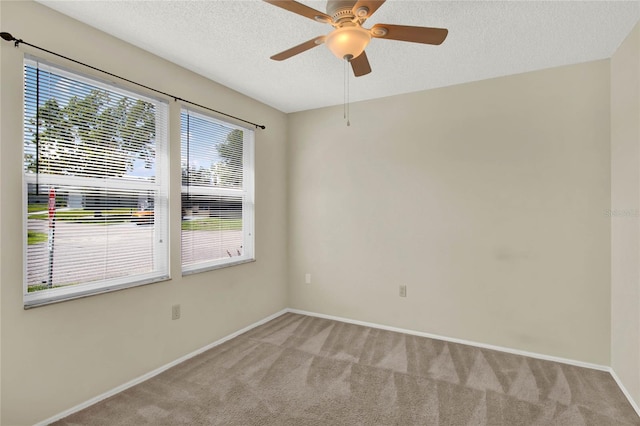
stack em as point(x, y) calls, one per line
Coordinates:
point(231, 42)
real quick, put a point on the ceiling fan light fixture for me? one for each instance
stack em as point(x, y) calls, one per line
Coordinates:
point(348, 42)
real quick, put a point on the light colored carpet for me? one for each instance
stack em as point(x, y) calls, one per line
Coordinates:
point(300, 370)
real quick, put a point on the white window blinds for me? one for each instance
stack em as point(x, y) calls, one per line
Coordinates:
point(95, 182)
point(217, 193)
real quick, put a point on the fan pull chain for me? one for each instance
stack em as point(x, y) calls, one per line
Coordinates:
point(348, 104)
point(346, 92)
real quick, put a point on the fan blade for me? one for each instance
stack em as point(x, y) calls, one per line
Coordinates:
point(406, 33)
point(360, 65)
point(301, 9)
point(299, 49)
point(372, 5)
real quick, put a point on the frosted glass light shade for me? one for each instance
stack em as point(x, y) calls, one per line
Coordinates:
point(348, 42)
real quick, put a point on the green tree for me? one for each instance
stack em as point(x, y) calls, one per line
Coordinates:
point(230, 170)
point(72, 137)
point(197, 176)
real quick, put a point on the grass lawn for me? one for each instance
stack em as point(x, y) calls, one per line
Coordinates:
point(85, 216)
point(34, 237)
point(37, 207)
point(212, 224)
point(38, 287)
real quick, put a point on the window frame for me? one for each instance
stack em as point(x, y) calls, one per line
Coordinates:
point(160, 187)
point(247, 193)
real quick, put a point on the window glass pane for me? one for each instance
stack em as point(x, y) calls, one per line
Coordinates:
point(211, 228)
point(212, 153)
point(84, 130)
point(217, 192)
point(89, 238)
point(95, 183)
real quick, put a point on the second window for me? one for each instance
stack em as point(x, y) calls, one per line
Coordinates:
point(217, 193)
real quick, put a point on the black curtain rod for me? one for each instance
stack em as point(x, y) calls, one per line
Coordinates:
point(9, 37)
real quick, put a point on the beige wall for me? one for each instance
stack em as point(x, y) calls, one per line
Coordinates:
point(625, 228)
point(488, 200)
point(57, 356)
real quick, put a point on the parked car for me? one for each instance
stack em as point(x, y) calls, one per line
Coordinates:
point(142, 217)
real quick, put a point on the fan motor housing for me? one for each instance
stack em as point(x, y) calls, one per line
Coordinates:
point(340, 9)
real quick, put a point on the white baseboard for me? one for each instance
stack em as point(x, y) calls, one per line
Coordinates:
point(625, 391)
point(155, 372)
point(455, 340)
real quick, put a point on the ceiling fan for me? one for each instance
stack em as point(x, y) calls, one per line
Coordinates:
point(349, 39)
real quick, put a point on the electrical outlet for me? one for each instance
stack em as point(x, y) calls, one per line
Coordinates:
point(403, 290)
point(307, 278)
point(175, 312)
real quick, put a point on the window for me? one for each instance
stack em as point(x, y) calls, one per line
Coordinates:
point(217, 193)
point(95, 184)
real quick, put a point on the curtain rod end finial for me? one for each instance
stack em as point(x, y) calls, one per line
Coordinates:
point(7, 36)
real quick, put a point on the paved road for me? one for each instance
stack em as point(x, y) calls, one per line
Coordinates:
point(90, 252)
